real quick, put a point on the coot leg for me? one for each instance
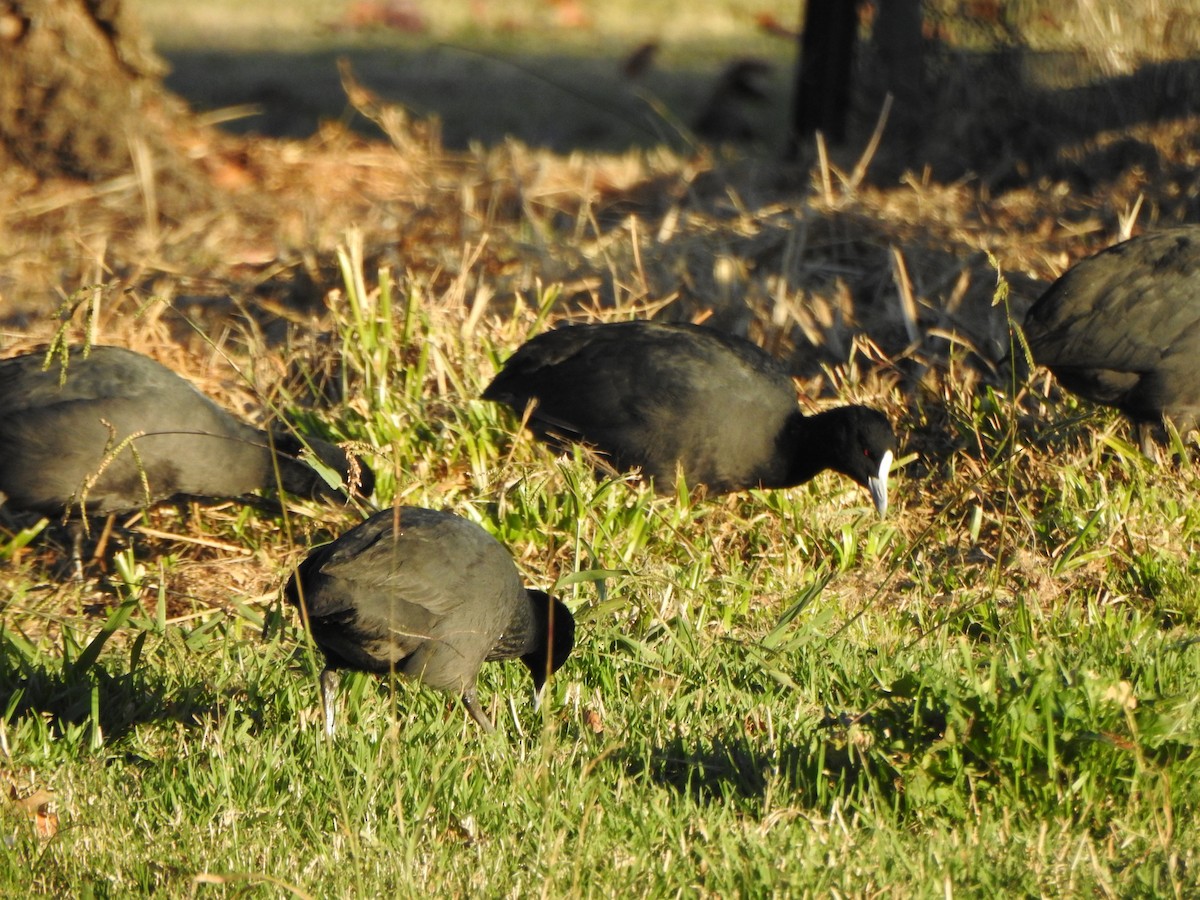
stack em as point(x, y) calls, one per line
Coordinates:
point(472, 704)
point(329, 689)
point(75, 533)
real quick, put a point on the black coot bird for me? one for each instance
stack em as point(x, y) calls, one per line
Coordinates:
point(117, 431)
point(430, 595)
point(1122, 328)
point(670, 398)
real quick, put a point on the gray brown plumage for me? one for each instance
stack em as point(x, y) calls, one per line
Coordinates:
point(116, 431)
point(1122, 328)
point(670, 398)
point(430, 595)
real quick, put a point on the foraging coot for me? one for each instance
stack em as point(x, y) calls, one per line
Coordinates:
point(1122, 328)
point(117, 431)
point(430, 595)
point(687, 398)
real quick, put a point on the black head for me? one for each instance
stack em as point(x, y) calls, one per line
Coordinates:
point(746, 78)
point(556, 638)
point(299, 478)
point(862, 445)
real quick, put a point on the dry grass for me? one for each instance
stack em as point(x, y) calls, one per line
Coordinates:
point(878, 293)
point(990, 689)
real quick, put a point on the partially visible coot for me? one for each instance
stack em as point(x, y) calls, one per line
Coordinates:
point(670, 398)
point(1122, 328)
point(115, 431)
point(430, 595)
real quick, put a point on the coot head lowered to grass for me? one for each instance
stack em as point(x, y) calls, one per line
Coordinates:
point(1122, 328)
point(430, 595)
point(116, 431)
point(670, 398)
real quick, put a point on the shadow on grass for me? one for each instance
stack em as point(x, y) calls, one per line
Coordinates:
point(559, 102)
point(720, 768)
point(842, 758)
point(72, 699)
point(1026, 740)
point(736, 767)
point(1004, 115)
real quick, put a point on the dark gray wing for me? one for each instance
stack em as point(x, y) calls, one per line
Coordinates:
point(1124, 309)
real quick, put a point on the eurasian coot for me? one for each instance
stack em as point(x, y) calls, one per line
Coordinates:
point(117, 431)
point(670, 398)
point(430, 595)
point(1122, 328)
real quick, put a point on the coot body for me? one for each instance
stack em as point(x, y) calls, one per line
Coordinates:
point(118, 432)
point(430, 595)
point(667, 398)
point(1122, 328)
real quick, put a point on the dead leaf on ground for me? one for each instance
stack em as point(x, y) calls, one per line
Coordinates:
point(37, 806)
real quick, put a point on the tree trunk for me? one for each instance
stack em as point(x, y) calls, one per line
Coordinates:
point(899, 44)
point(824, 70)
point(821, 100)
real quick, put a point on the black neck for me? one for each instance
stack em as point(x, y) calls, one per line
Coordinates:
point(809, 446)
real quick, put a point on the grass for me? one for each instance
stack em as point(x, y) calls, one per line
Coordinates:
point(990, 693)
point(562, 78)
point(562, 83)
point(774, 693)
point(510, 27)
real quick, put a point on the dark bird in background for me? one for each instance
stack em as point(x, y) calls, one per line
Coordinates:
point(430, 595)
point(724, 116)
point(640, 60)
point(116, 431)
point(1122, 328)
point(668, 398)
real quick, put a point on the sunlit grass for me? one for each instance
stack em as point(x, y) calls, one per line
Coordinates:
point(992, 690)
